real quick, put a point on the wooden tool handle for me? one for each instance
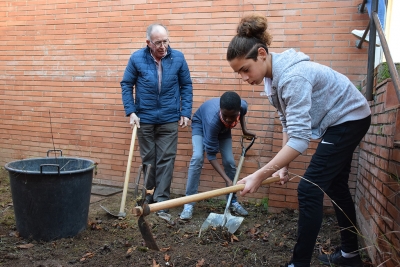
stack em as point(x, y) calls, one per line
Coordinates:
point(128, 170)
point(172, 203)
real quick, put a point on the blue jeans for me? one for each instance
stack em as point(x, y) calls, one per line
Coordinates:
point(196, 164)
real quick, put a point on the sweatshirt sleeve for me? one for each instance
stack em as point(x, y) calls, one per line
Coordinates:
point(296, 94)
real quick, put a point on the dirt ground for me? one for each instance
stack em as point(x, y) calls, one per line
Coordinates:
point(263, 239)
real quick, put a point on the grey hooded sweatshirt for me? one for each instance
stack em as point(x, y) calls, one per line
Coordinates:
point(311, 97)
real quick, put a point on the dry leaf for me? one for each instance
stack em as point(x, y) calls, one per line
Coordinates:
point(200, 263)
point(129, 251)
point(155, 264)
point(95, 226)
point(324, 251)
point(234, 238)
point(257, 225)
point(14, 233)
point(25, 245)
point(165, 249)
point(88, 255)
point(167, 257)
point(265, 236)
point(225, 244)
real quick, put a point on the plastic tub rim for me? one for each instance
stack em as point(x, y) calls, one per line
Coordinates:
point(8, 168)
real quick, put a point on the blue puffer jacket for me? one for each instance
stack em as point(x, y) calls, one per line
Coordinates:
point(151, 106)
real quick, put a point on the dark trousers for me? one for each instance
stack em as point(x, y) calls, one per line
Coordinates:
point(329, 169)
point(158, 145)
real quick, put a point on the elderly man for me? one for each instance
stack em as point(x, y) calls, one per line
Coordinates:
point(163, 98)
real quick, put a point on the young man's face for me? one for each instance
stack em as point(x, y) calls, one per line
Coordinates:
point(229, 116)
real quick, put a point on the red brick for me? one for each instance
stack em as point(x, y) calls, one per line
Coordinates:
point(94, 40)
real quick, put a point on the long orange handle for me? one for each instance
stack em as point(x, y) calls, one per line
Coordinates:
point(172, 203)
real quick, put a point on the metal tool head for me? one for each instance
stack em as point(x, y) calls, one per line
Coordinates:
point(120, 215)
point(140, 194)
point(232, 223)
point(146, 234)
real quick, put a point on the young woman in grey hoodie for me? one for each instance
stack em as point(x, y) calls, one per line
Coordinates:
point(313, 102)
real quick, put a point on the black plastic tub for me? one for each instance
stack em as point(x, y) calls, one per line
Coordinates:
point(51, 196)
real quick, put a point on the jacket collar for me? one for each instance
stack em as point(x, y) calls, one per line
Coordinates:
point(169, 50)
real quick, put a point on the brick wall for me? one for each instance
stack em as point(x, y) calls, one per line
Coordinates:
point(62, 61)
point(378, 187)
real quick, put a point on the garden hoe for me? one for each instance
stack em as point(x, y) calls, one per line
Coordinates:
point(227, 220)
point(122, 213)
point(144, 209)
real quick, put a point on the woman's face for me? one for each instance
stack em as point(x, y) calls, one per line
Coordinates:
point(250, 70)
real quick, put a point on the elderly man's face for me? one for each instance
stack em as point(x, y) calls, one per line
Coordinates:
point(158, 42)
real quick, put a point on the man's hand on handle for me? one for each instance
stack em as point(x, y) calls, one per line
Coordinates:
point(133, 119)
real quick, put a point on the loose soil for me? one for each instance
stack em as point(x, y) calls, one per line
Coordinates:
point(263, 239)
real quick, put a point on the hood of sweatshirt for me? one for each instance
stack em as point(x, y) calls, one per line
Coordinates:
point(283, 61)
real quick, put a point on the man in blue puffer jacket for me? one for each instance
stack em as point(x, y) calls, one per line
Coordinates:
point(163, 97)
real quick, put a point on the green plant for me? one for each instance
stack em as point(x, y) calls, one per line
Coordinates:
point(264, 203)
point(380, 131)
point(395, 177)
point(384, 73)
point(215, 202)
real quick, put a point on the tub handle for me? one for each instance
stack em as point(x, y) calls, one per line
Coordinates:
point(54, 150)
point(54, 165)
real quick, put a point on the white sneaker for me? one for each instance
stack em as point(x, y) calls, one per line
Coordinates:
point(359, 34)
point(187, 212)
point(237, 208)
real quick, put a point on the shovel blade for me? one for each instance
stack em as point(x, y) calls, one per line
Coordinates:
point(146, 234)
point(119, 215)
point(232, 222)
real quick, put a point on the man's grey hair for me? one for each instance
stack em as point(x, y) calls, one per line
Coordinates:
point(151, 27)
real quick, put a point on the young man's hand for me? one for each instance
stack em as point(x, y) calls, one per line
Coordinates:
point(229, 183)
point(249, 135)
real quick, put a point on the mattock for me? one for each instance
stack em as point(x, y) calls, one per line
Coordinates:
point(141, 201)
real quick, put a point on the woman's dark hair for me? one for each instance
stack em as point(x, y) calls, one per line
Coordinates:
point(230, 101)
point(251, 34)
